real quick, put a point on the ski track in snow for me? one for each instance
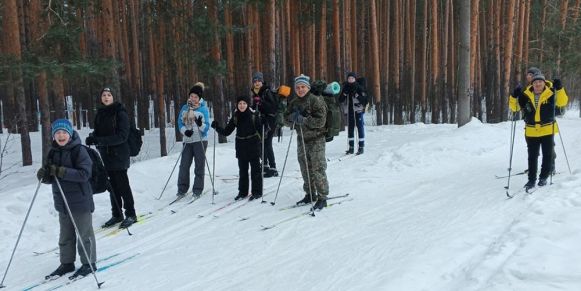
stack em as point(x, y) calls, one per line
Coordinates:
point(427, 214)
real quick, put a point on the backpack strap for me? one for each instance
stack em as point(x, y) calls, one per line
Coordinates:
point(50, 156)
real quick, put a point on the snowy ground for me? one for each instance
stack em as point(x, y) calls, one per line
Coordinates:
point(427, 214)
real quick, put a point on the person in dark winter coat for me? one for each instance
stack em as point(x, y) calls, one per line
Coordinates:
point(193, 123)
point(307, 114)
point(247, 144)
point(538, 104)
point(265, 104)
point(69, 163)
point(110, 136)
point(354, 99)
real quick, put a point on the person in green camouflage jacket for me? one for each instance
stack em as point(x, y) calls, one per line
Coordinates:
point(307, 114)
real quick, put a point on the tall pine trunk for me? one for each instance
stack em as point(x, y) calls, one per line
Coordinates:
point(464, 63)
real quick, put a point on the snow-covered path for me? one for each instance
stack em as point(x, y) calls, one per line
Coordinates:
point(426, 214)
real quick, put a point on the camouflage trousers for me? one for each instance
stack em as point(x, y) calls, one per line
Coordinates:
point(312, 158)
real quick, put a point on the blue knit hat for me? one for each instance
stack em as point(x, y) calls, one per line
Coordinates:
point(62, 124)
point(302, 79)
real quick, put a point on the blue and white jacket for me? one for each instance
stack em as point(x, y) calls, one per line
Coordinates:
point(186, 120)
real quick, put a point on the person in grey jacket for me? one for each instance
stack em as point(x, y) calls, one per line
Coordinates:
point(70, 163)
point(193, 123)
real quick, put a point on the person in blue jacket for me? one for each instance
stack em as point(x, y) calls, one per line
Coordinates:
point(193, 123)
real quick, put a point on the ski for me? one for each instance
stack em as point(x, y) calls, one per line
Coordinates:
point(529, 191)
point(97, 231)
point(142, 219)
point(99, 269)
point(245, 201)
point(180, 197)
point(305, 213)
point(511, 175)
point(43, 282)
point(220, 208)
point(328, 198)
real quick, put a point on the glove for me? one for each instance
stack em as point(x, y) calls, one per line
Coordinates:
point(188, 133)
point(57, 171)
point(214, 124)
point(529, 108)
point(517, 92)
point(90, 140)
point(557, 84)
point(199, 121)
point(43, 174)
point(298, 118)
point(525, 105)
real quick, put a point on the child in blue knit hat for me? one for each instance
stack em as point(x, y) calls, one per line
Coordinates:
point(68, 169)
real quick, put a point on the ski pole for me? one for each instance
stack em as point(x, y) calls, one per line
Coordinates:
point(214, 165)
point(307, 169)
point(262, 164)
point(79, 238)
point(20, 234)
point(206, 159)
point(284, 165)
point(565, 152)
point(171, 174)
point(512, 133)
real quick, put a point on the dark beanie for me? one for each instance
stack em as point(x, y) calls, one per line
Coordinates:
point(538, 77)
point(198, 89)
point(106, 89)
point(534, 71)
point(243, 98)
point(352, 74)
point(257, 76)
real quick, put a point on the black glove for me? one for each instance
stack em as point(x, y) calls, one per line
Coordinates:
point(57, 171)
point(557, 84)
point(43, 174)
point(517, 92)
point(188, 133)
point(199, 121)
point(298, 118)
point(214, 124)
point(90, 140)
point(525, 104)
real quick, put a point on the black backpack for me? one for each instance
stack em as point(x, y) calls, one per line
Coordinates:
point(134, 140)
point(98, 180)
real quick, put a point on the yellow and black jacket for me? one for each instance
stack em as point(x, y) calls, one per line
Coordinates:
point(539, 120)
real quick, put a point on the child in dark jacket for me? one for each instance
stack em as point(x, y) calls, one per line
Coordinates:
point(248, 142)
point(69, 163)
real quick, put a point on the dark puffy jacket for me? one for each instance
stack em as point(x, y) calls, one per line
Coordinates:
point(248, 141)
point(267, 106)
point(111, 132)
point(75, 184)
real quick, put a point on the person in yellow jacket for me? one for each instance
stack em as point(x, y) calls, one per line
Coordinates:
point(538, 104)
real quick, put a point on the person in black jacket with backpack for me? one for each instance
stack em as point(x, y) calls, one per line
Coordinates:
point(69, 162)
point(248, 144)
point(265, 104)
point(110, 136)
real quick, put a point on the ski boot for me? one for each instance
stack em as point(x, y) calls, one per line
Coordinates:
point(61, 270)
